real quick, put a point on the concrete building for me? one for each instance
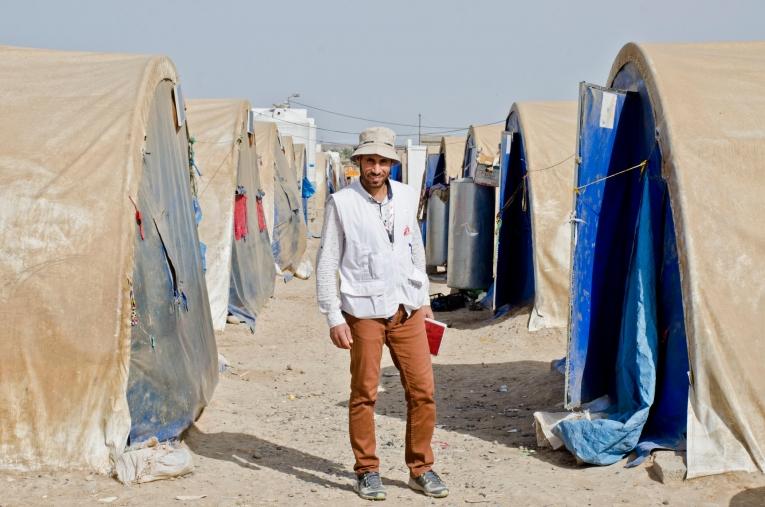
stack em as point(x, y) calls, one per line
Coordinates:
point(296, 123)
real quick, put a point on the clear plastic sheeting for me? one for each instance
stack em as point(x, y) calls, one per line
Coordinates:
point(72, 157)
point(153, 461)
point(252, 265)
point(283, 209)
point(173, 358)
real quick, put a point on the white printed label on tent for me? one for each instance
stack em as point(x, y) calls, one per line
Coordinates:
point(508, 137)
point(607, 110)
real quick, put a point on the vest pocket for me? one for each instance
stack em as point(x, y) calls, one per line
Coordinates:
point(380, 265)
point(415, 286)
point(362, 288)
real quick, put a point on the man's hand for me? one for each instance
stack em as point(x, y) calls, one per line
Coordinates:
point(428, 311)
point(341, 336)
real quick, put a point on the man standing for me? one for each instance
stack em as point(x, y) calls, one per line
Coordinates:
point(371, 237)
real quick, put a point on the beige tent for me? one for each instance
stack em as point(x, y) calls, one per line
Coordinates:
point(288, 144)
point(282, 202)
point(106, 331)
point(240, 270)
point(334, 172)
point(266, 146)
point(300, 160)
point(695, 145)
point(482, 147)
point(320, 197)
point(453, 150)
point(709, 101)
point(546, 134)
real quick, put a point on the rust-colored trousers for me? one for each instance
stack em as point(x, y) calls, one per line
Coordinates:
point(408, 344)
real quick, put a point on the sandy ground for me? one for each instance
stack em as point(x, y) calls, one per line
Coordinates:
point(275, 432)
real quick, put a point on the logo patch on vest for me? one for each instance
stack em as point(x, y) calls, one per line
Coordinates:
point(407, 231)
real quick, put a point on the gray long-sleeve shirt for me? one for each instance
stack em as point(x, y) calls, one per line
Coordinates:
point(331, 252)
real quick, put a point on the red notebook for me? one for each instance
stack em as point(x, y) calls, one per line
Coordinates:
point(435, 331)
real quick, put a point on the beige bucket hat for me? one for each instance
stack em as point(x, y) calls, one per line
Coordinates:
point(377, 141)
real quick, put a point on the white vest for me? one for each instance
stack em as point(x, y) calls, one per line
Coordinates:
point(376, 276)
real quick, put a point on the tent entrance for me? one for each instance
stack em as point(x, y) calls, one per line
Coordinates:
point(627, 336)
point(514, 281)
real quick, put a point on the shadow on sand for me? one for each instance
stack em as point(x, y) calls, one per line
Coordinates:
point(465, 318)
point(254, 453)
point(749, 498)
point(471, 400)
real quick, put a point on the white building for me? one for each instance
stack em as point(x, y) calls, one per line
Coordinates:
point(295, 123)
point(416, 156)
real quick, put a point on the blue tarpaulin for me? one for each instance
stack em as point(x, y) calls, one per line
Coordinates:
point(605, 441)
point(624, 285)
point(429, 179)
point(396, 171)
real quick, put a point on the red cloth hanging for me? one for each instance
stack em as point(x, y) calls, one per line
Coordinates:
point(240, 216)
point(138, 218)
point(261, 214)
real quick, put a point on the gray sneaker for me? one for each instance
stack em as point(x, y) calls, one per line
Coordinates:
point(430, 484)
point(370, 487)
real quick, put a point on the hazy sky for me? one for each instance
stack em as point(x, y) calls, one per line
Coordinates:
point(456, 62)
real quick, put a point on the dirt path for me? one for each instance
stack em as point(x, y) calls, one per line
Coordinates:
point(275, 433)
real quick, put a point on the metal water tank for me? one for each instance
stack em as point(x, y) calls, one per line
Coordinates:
point(437, 229)
point(471, 235)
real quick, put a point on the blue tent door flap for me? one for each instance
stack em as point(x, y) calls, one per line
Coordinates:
point(600, 110)
point(504, 162)
point(627, 336)
point(514, 279)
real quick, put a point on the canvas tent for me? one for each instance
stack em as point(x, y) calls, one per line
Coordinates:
point(106, 336)
point(300, 162)
point(534, 243)
point(322, 181)
point(283, 208)
point(481, 148)
point(240, 266)
point(325, 183)
point(668, 260)
point(288, 145)
point(304, 184)
point(428, 180)
point(334, 173)
point(440, 170)
point(453, 151)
